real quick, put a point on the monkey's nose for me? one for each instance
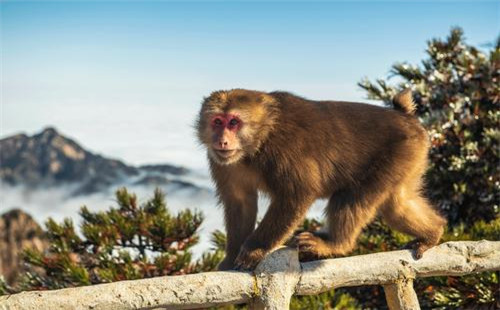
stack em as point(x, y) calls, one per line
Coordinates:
point(223, 144)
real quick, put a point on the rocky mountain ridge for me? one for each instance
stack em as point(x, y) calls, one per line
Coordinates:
point(49, 158)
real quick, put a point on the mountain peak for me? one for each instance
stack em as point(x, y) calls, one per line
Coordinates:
point(51, 158)
point(49, 131)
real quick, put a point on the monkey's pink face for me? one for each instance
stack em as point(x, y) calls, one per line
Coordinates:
point(226, 147)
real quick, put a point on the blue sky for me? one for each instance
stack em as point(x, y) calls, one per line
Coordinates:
point(126, 78)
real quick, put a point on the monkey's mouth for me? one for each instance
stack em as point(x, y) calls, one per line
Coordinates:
point(226, 153)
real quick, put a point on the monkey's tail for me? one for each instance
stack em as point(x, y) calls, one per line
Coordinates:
point(403, 101)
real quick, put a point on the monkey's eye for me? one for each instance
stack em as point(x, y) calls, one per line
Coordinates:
point(233, 122)
point(217, 122)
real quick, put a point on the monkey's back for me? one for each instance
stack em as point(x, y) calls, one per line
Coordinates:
point(343, 142)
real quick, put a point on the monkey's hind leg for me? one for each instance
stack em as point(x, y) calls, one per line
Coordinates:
point(410, 213)
point(347, 214)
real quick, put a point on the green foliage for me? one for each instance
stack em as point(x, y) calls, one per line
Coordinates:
point(123, 243)
point(4, 287)
point(466, 291)
point(211, 259)
point(457, 93)
point(470, 291)
point(329, 300)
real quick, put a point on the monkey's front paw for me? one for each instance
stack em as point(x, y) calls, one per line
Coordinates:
point(248, 259)
point(307, 242)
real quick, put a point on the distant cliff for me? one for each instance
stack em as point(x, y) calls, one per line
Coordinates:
point(50, 159)
point(18, 231)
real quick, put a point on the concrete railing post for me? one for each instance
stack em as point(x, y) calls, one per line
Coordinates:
point(276, 278)
point(401, 295)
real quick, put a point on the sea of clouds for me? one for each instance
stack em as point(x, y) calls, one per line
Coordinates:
point(55, 202)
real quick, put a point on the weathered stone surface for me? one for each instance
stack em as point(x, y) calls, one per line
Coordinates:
point(18, 231)
point(276, 278)
point(401, 295)
point(174, 292)
point(451, 258)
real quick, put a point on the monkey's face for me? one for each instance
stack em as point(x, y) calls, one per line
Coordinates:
point(234, 124)
point(226, 145)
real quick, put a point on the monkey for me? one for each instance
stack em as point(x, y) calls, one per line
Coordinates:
point(367, 160)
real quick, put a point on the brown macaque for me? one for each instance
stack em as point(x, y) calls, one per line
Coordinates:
point(367, 160)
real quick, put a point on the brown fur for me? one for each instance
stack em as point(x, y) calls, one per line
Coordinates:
point(365, 159)
point(404, 102)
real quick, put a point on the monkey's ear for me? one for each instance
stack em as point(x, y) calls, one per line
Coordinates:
point(266, 99)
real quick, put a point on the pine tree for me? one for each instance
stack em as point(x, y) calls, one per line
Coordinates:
point(457, 92)
point(131, 241)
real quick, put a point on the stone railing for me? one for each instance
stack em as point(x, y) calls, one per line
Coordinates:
point(274, 281)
